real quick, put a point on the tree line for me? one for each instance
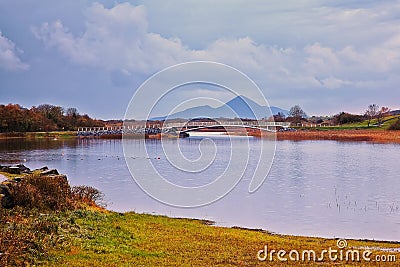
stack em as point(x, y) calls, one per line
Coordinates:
point(45, 117)
point(373, 112)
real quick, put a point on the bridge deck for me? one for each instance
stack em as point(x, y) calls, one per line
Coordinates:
point(180, 127)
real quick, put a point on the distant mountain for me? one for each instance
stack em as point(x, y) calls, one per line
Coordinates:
point(239, 106)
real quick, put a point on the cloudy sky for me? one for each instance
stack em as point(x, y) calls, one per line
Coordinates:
point(328, 56)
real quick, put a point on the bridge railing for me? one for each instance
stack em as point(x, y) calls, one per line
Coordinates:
point(137, 127)
point(231, 123)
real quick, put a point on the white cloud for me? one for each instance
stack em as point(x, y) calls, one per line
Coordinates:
point(118, 39)
point(321, 59)
point(115, 38)
point(333, 83)
point(9, 59)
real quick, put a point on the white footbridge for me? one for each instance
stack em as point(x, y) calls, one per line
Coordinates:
point(180, 127)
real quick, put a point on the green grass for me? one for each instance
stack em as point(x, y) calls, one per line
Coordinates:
point(93, 237)
point(130, 239)
point(57, 134)
point(386, 123)
point(40, 135)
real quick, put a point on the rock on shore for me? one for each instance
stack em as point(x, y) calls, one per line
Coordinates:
point(6, 198)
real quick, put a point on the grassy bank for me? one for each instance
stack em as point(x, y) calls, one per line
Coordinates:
point(39, 135)
point(129, 239)
point(53, 224)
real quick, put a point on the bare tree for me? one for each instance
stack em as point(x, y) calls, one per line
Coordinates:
point(381, 114)
point(296, 115)
point(297, 112)
point(371, 112)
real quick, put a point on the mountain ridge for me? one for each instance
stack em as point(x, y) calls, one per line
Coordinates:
point(239, 106)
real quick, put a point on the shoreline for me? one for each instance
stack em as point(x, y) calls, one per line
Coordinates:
point(86, 234)
point(7, 176)
point(261, 230)
point(166, 241)
point(355, 135)
point(362, 135)
point(178, 241)
point(39, 135)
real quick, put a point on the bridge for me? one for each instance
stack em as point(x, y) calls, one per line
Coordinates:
point(198, 125)
point(178, 127)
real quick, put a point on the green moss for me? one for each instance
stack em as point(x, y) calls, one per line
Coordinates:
point(130, 239)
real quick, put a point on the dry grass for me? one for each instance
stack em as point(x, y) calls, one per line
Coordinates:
point(131, 239)
point(382, 136)
point(395, 126)
point(88, 195)
point(25, 236)
point(42, 192)
point(30, 229)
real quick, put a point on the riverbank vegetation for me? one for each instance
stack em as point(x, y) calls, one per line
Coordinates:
point(43, 118)
point(35, 213)
point(351, 134)
point(54, 122)
point(53, 224)
point(53, 135)
point(395, 125)
point(374, 117)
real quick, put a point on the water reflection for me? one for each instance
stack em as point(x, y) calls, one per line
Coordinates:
point(321, 188)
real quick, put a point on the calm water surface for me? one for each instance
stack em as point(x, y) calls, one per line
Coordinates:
point(315, 188)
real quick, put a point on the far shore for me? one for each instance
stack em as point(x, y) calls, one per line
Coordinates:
point(362, 135)
point(34, 135)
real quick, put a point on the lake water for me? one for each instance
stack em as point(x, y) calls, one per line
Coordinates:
point(315, 188)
